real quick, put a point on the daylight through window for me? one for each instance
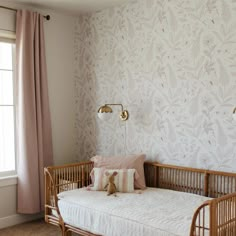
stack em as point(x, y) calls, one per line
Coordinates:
point(7, 109)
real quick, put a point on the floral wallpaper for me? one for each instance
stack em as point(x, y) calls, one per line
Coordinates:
point(172, 64)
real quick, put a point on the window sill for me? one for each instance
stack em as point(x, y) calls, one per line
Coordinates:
point(8, 181)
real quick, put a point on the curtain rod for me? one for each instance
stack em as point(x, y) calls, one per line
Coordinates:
point(47, 17)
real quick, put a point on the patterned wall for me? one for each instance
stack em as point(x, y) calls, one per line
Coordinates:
point(172, 63)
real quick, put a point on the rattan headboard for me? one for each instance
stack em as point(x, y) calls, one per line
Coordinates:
point(185, 179)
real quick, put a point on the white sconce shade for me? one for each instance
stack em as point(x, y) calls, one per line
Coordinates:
point(104, 116)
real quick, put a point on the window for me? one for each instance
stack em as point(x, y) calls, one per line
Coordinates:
point(7, 110)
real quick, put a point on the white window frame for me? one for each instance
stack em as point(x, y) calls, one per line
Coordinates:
point(11, 173)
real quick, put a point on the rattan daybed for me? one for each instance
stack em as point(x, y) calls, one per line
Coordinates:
point(215, 215)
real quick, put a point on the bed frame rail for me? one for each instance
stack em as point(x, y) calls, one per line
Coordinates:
point(215, 217)
point(220, 183)
point(223, 215)
point(59, 179)
point(201, 221)
point(176, 178)
point(192, 180)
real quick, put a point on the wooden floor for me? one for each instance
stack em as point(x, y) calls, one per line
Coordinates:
point(39, 228)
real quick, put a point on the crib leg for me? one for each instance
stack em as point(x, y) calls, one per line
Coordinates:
point(68, 233)
point(63, 231)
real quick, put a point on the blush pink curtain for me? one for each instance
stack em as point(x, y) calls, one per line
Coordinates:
point(34, 138)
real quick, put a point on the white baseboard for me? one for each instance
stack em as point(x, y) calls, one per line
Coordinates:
point(18, 219)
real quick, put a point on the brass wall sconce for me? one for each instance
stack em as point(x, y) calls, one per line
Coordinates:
point(234, 113)
point(105, 110)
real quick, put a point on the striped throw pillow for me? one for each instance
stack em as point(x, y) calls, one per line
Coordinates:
point(124, 180)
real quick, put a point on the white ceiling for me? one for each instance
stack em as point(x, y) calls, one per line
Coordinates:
point(72, 6)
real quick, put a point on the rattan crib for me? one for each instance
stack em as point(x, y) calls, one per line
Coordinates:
point(221, 186)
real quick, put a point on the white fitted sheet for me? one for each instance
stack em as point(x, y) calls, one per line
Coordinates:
point(154, 212)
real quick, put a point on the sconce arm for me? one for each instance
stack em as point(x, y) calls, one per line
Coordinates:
point(115, 104)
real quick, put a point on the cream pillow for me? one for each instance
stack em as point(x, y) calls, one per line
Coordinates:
point(124, 180)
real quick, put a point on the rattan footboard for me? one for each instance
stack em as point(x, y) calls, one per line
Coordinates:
point(59, 179)
point(216, 217)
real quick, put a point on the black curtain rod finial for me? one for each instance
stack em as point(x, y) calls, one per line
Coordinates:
point(47, 17)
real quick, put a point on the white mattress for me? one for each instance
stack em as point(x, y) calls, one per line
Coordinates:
point(155, 211)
